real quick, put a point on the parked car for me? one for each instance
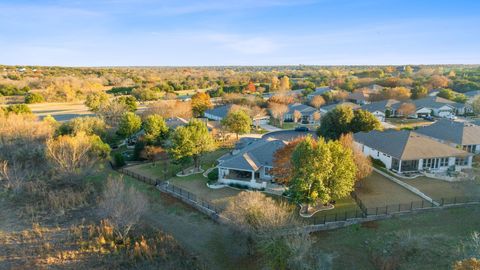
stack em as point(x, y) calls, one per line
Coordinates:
point(428, 118)
point(302, 129)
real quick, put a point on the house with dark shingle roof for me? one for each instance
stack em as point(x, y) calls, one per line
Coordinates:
point(218, 113)
point(407, 151)
point(379, 108)
point(326, 109)
point(471, 95)
point(318, 92)
point(459, 134)
point(306, 111)
point(440, 107)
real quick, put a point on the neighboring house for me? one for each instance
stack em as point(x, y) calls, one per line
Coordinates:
point(306, 111)
point(407, 151)
point(250, 163)
point(297, 92)
point(472, 95)
point(459, 134)
point(375, 88)
point(381, 109)
point(326, 109)
point(359, 97)
point(440, 107)
point(218, 113)
point(318, 92)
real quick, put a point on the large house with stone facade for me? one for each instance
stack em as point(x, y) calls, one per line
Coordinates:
point(407, 151)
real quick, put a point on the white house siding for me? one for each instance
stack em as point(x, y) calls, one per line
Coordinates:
point(253, 183)
point(379, 115)
point(213, 117)
point(386, 159)
point(444, 111)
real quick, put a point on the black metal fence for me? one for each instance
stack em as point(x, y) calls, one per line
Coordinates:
point(188, 196)
point(143, 178)
point(366, 212)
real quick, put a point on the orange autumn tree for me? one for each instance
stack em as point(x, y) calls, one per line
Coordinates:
point(251, 88)
point(282, 166)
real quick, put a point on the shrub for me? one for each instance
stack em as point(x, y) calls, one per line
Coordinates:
point(378, 162)
point(118, 160)
point(213, 175)
point(31, 98)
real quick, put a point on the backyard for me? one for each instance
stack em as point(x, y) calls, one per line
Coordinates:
point(409, 122)
point(438, 189)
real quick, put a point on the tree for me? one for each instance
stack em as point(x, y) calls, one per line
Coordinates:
point(408, 70)
point(75, 154)
point(112, 112)
point(200, 103)
point(122, 206)
point(317, 102)
point(256, 113)
point(282, 162)
point(170, 108)
point(316, 117)
point(275, 84)
point(284, 84)
point(446, 93)
point(192, 141)
point(438, 81)
point(130, 123)
point(476, 105)
point(336, 122)
point(155, 128)
point(96, 100)
point(278, 111)
point(88, 125)
point(364, 121)
point(237, 121)
point(251, 88)
point(419, 91)
point(130, 102)
point(18, 109)
point(362, 162)
point(322, 172)
point(31, 98)
point(297, 116)
point(153, 153)
point(406, 109)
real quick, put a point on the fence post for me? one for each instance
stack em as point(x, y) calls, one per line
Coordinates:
point(386, 210)
point(324, 219)
point(398, 207)
point(455, 200)
point(345, 215)
point(423, 203)
point(336, 217)
point(356, 212)
point(376, 211)
point(442, 201)
point(411, 205)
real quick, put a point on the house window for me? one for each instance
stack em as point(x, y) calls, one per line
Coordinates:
point(461, 161)
point(443, 162)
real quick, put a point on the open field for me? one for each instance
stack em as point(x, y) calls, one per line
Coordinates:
point(410, 242)
point(438, 189)
point(378, 191)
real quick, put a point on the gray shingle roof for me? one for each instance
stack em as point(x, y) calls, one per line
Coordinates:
point(253, 156)
point(304, 109)
point(451, 131)
point(320, 90)
point(381, 106)
point(435, 102)
point(220, 111)
point(406, 145)
point(472, 94)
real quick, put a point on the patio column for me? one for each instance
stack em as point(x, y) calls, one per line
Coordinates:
point(253, 175)
point(399, 166)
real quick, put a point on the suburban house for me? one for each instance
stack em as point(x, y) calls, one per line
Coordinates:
point(471, 95)
point(318, 92)
point(306, 111)
point(251, 165)
point(459, 134)
point(359, 97)
point(407, 151)
point(326, 109)
point(381, 109)
point(218, 113)
point(440, 107)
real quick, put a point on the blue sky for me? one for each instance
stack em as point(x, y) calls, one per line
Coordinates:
point(238, 32)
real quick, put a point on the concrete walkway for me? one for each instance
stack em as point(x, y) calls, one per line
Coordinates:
point(269, 128)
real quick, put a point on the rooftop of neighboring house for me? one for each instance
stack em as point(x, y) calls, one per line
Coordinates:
point(302, 108)
point(320, 91)
point(332, 106)
point(359, 96)
point(460, 133)
point(380, 106)
point(472, 94)
point(435, 102)
point(220, 111)
point(406, 145)
point(176, 122)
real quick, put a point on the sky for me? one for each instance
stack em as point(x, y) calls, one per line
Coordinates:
point(238, 32)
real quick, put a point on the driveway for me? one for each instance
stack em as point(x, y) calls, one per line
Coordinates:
point(269, 128)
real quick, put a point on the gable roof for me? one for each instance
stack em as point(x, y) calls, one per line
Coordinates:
point(472, 94)
point(435, 102)
point(253, 156)
point(381, 106)
point(220, 111)
point(302, 108)
point(319, 91)
point(406, 145)
point(451, 131)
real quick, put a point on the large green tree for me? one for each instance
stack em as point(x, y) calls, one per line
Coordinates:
point(238, 122)
point(95, 100)
point(130, 123)
point(155, 128)
point(321, 171)
point(192, 141)
point(342, 120)
point(130, 102)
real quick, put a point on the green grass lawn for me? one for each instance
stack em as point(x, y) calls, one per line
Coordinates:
point(425, 241)
point(437, 189)
point(378, 191)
